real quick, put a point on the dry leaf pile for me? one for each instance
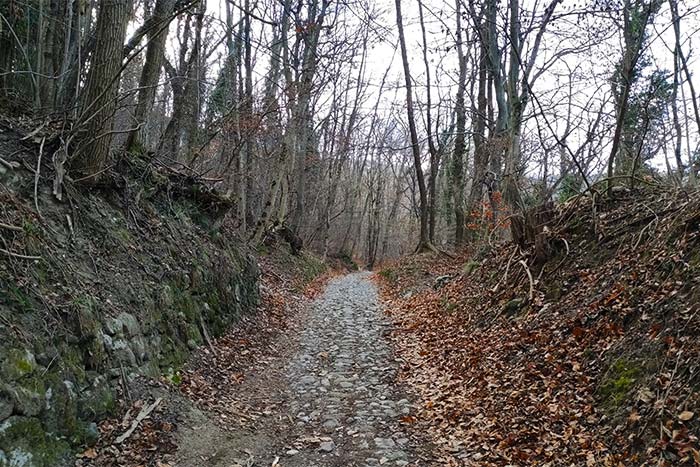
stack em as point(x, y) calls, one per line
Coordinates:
point(599, 368)
point(150, 444)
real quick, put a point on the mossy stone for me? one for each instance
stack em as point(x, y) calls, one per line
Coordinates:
point(26, 443)
point(166, 298)
point(98, 401)
point(121, 352)
point(91, 434)
point(25, 400)
point(17, 363)
point(130, 324)
point(61, 408)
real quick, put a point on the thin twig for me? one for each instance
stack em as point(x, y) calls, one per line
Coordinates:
point(33, 133)
point(9, 164)
point(505, 276)
point(96, 174)
point(145, 412)
point(641, 233)
point(37, 174)
point(206, 336)
point(17, 255)
point(529, 276)
point(14, 228)
point(561, 263)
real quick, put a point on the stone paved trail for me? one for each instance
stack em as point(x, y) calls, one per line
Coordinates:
point(336, 399)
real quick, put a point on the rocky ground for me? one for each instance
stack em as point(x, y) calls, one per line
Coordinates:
point(326, 397)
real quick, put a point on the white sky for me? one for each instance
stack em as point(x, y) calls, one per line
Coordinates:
point(592, 70)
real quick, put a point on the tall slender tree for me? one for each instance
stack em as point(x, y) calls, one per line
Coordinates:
point(424, 243)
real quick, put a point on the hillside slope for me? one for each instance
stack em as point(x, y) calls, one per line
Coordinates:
point(100, 287)
point(592, 360)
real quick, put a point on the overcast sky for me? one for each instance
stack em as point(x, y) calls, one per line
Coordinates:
point(590, 71)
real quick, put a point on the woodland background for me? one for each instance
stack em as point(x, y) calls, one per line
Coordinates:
point(363, 128)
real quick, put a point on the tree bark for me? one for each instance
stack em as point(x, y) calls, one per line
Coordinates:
point(303, 112)
point(155, 54)
point(633, 44)
point(99, 103)
point(424, 243)
point(460, 137)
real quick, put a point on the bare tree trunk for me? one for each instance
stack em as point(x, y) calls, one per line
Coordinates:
point(374, 222)
point(247, 131)
point(393, 212)
point(41, 44)
point(435, 151)
point(676, 121)
point(71, 40)
point(99, 104)
point(481, 153)
point(682, 61)
point(460, 137)
point(279, 63)
point(304, 124)
point(634, 38)
point(424, 241)
point(155, 54)
point(181, 135)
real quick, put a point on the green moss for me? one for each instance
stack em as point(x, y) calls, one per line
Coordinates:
point(308, 266)
point(514, 306)
point(621, 378)
point(389, 274)
point(174, 352)
point(17, 364)
point(173, 376)
point(71, 361)
point(61, 416)
point(186, 305)
point(193, 335)
point(86, 310)
point(41, 272)
point(98, 403)
point(85, 433)
point(347, 261)
point(31, 229)
point(470, 267)
point(26, 439)
point(122, 234)
point(24, 366)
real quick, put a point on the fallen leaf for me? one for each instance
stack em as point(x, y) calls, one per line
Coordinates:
point(88, 454)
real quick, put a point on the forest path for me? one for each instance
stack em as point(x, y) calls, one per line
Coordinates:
point(331, 401)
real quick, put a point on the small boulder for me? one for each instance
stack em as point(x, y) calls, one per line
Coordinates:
point(17, 363)
point(25, 401)
point(327, 446)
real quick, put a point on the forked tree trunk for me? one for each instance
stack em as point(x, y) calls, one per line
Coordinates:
point(151, 70)
point(99, 104)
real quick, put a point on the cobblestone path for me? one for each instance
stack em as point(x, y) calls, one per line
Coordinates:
point(329, 399)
